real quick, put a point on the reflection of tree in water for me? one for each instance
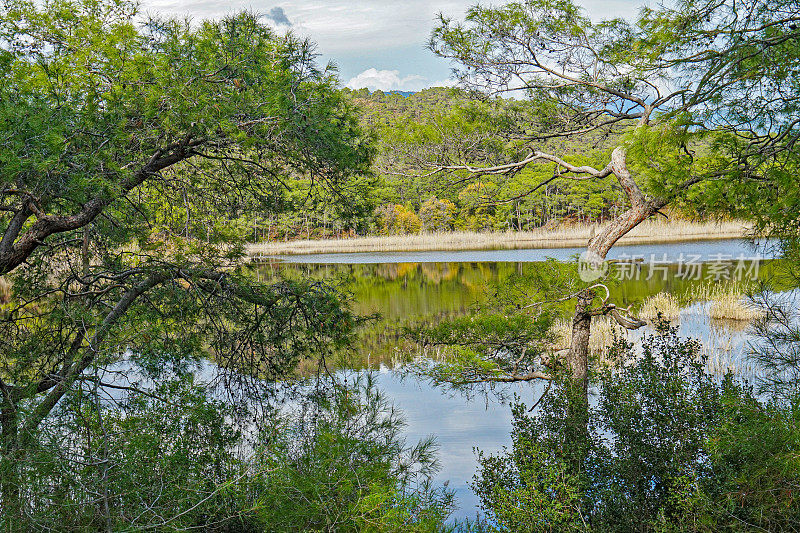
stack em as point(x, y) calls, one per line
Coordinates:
point(414, 293)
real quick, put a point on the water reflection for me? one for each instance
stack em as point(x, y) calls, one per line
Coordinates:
point(408, 293)
point(668, 251)
point(429, 286)
point(460, 427)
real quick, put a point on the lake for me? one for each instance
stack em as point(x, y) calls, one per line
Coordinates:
point(408, 287)
point(672, 251)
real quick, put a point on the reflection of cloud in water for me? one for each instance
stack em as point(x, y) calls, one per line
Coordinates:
point(484, 423)
point(459, 425)
point(724, 341)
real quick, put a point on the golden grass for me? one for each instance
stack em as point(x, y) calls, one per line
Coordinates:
point(728, 310)
point(651, 231)
point(733, 307)
point(5, 290)
point(727, 302)
point(708, 292)
point(663, 303)
point(602, 334)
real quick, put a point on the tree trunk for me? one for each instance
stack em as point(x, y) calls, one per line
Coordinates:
point(578, 356)
point(599, 245)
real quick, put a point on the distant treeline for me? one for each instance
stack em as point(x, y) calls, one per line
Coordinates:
point(415, 132)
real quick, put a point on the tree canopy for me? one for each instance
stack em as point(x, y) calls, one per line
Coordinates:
point(130, 153)
point(693, 101)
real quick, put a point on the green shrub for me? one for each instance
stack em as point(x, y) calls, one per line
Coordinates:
point(669, 447)
point(177, 458)
point(341, 464)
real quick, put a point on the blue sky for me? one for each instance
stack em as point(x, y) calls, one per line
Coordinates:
point(377, 44)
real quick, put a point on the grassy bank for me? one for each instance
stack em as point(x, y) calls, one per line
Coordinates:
point(655, 231)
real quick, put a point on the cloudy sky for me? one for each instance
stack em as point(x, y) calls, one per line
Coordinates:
point(378, 44)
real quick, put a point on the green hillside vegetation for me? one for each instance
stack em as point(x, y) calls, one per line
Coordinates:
point(440, 126)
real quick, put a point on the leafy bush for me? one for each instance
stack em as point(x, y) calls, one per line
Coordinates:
point(177, 458)
point(669, 447)
point(340, 464)
point(530, 488)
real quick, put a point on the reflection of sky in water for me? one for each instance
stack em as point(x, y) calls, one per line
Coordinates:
point(708, 250)
point(459, 426)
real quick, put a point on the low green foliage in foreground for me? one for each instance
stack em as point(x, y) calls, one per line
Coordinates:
point(333, 459)
point(341, 464)
point(669, 448)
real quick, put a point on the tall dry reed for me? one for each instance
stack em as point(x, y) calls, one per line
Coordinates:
point(663, 303)
point(653, 231)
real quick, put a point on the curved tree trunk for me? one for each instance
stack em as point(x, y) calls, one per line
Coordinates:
point(599, 245)
point(578, 355)
point(641, 209)
point(577, 388)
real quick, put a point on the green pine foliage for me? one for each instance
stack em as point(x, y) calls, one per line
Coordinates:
point(445, 125)
point(180, 458)
point(670, 448)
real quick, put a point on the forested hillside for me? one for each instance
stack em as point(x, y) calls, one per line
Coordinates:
point(434, 127)
point(438, 126)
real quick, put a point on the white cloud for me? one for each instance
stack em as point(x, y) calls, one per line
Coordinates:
point(345, 26)
point(443, 83)
point(359, 33)
point(338, 26)
point(390, 80)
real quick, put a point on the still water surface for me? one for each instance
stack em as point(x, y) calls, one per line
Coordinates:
point(405, 287)
point(673, 251)
point(460, 426)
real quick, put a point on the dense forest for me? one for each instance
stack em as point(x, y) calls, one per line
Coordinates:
point(152, 378)
point(402, 198)
point(405, 191)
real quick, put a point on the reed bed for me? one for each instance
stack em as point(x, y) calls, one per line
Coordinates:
point(733, 307)
point(663, 303)
point(5, 290)
point(652, 231)
point(726, 301)
point(602, 334)
point(708, 292)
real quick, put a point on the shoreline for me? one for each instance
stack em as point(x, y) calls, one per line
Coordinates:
point(567, 237)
